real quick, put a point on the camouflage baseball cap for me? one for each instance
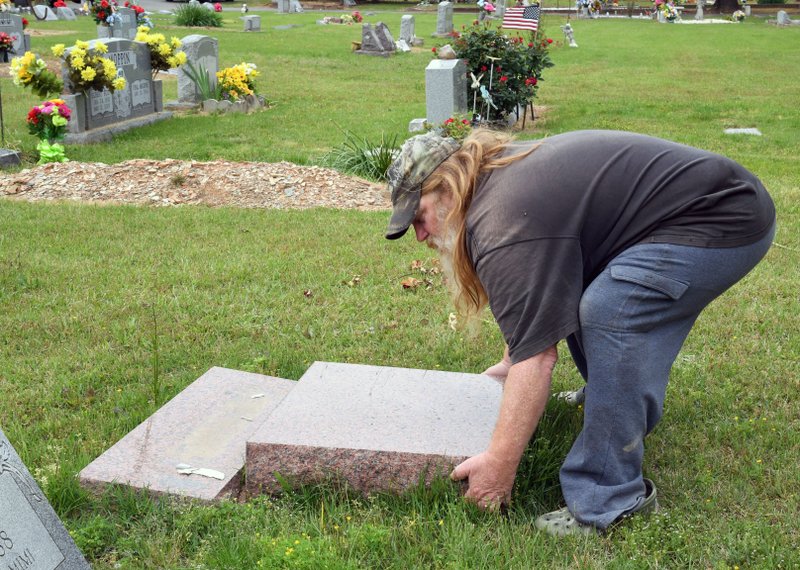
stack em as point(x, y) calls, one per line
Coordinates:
point(418, 158)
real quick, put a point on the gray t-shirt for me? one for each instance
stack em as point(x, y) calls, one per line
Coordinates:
point(541, 229)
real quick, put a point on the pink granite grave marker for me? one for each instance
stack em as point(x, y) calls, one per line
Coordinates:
point(379, 428)
point(204, 427)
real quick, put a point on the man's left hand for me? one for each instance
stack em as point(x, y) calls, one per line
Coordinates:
point(490, 480)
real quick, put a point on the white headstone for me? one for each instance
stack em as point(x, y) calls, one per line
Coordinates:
point(44, 13)
point(445, 89)
point(407, 32)
point(283, 6)
point(252, 23)
point(203, 53)
point(444, 20)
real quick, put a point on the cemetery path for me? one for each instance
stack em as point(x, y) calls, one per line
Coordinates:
point(176, 182)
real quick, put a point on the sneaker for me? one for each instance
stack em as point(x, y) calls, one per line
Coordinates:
point(572, 397)
point(562, 523)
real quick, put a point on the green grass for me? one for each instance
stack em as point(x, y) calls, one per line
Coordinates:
point(87, 291)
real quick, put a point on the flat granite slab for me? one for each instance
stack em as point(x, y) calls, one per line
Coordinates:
point(378, 428)
point(204, 427)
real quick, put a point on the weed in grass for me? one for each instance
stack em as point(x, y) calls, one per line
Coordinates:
point(362, 157)
point(177, 180)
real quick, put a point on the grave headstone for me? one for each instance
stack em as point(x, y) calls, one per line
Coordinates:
point(444, 20)
point(65, 14)
point(376, 40)
point(348, 3)
point(783, 18)
point(43, 12)
point(31, 534)
point(208, 6)
point(379, 428)
point(203, 53)
point(194, 445)
point(408, 32)
point(445, 89)
point(12, 25)
point(283, 6)
point(125, 24)
point(141, 96)
point(500, 9)
point(295, 6)
point(569, 35)
point(747, 10)
point(252, 23)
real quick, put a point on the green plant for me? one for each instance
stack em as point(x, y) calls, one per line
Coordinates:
point(457, 127)
point(197, 16)
point(772, 1)
point(202, 80)
point(510, 67)
point(363, 158)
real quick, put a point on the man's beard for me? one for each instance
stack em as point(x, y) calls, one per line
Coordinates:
point(445, 244)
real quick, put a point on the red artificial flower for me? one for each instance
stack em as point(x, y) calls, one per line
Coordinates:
point(101, 15)
point(33, 115)
point(127, 4)
point(433, 50)
point(484, 68)
point(531, 81)
point(549, 40)
point(104, 4)
point(503, 79)
point(448, 121)
point(530, 44)
point(24, 23)
point(464, 122)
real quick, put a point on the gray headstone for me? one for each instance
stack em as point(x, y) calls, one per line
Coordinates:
point(283, 6)
point(252, 23)
point(407, 32)
point(208, 6)
point(31, 534)
point(295, 6)
point(783, 18)
point(445, 89)
point(125, 25)
point(9, 157)
point(500, 8)
point(65, 14)
point(44, 13)
point(12, 25)
point(747, 10)
point(349, 3)
point(376, 40)
point(203, 53)
point(103, 32)
point(104, 108)
point(444, 20)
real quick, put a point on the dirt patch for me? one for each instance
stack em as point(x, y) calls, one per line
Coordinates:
point(176, 182)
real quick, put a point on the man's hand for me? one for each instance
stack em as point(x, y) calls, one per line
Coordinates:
point(490, 480)
point(500, 370)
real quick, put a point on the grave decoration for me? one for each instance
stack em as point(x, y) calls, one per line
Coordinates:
point(485, 10)
point(31, 71)
point(667, 13)
point(6, 45)
point(347, 19)
point(13, 25)
point(87, 69)
point(31, 534)
point(103, 12)
point(48, 122)
point(738, 16)
point(510, 68)
point(142, 18)
point(164, 55)
point(457, 127)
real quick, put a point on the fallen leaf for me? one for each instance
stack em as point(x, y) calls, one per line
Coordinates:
point(410, 283)
point(308, 293)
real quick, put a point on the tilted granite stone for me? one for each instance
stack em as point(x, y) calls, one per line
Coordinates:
point(378, 428)
point(376, 40)
point(204, 427)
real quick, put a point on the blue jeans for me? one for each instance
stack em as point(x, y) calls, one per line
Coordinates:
point(634, 319)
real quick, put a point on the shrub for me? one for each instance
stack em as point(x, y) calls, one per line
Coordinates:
point(772, 1)
point(197, 16)
point(517, 69)
point(363, 158)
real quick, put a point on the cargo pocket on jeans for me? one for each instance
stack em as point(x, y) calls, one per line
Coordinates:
point(672, 288)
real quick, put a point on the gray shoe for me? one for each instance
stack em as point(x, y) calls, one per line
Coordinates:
point(572, 397)
point(562, 523)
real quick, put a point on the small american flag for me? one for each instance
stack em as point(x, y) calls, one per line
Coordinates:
point(522, 18)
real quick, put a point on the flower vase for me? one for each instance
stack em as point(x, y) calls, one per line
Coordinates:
point(5, 56)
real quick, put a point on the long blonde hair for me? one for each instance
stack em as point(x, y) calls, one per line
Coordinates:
point(481, 152)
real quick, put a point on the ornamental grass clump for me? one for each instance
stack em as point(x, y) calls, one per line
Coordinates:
point(237, 82)
point(164, 55)
point(31, 71)
point(88, 69)
point(197, 16)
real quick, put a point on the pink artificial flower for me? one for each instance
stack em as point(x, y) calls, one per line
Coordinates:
point(218, 7)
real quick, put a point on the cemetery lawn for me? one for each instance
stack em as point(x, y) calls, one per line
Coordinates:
point(106, 312)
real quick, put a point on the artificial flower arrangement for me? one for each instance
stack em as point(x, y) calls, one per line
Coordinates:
point(88, 69)
point(59, 4)
point(357, 17)
point(457, 127)
point(218, 7)
point(25, 23)
point(31, 71)
point(48, 122)
point(237, 82)
point(6, 42)
point(486, 9)
point(103, 12)
point(5, 5)
point(163, 55)
point(141, 16)
point(737, 16)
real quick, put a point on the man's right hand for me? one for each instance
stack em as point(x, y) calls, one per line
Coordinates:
point(500, 370)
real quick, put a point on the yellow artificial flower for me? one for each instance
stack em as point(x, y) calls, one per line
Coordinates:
point(142, 30)
point(164, 50)
point(109, 68)
point(82, 45)
point(57, 101)
point(180, 57)
point(77, 62)
point(141, 36)
point(88, 74)
point(176, 43)
point(58, 50)
point(118, 84)
point(100, 48)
